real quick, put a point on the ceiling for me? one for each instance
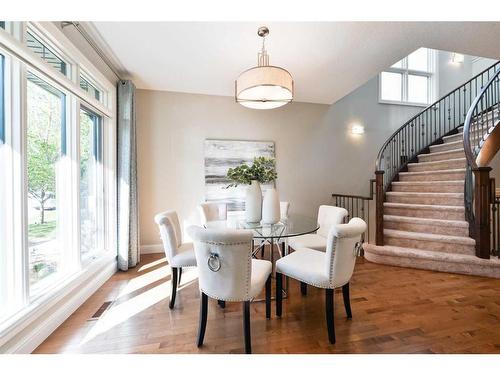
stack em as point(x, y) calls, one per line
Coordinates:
point(328, 60)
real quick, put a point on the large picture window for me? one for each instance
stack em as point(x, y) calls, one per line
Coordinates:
point(410, 80)
point(57, 173)
point(45, 144)
point(91, 184)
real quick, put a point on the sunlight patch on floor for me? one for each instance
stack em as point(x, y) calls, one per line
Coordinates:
point(119, 313)
point(142, 281)
point(152, 264)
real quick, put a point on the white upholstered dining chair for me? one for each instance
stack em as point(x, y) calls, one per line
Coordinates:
point(212, 211)
point(328, 216)
point(227, 272)
point(329, 270)
point(178, 254)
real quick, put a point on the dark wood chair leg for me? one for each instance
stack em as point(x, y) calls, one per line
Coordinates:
point(329, 315)
point(347, 300)
point(268, 297)
point(174, 288)
point(222, 304)
point(246, 327)
point(203, 318)
point(303, 288)
point(279, 293)
point(180, 276)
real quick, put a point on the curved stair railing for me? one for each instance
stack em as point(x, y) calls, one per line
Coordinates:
point(441, 118)
point(481, 120)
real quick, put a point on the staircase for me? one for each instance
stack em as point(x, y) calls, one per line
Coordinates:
point(424, 216)
point(422, 175)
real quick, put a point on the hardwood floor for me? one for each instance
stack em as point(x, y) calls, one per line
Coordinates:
point(395, 310)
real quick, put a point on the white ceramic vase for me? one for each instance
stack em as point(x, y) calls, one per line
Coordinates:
point(271, 207)
point(253, 203)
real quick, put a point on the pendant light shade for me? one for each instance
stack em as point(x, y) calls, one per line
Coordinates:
point(264, 86)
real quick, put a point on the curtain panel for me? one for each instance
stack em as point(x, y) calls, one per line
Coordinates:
point(128, 219)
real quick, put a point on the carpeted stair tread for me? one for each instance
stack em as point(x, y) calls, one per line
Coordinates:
point(432, 260)
point(441, 155)
point(437, 165)
point(429, 237)
point(426, 183)
point(425, 194)
point(431, 198)
point(427, 225)
point(456, 145)
point(435, 171)
point(421, 220)
point(432, 207)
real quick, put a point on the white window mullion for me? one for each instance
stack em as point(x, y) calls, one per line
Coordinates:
point(20, 183)
point(109, 164)
point(405, 87)
point(67, 196)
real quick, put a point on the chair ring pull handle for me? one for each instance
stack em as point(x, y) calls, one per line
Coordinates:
point(357, 249)
point(214, 262)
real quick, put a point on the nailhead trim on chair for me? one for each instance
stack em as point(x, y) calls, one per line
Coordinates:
point(249, 269)
point(332, 258)
point(227, 299)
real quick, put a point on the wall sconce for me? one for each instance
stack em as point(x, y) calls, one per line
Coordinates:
point(357, 129)
point(457, 58)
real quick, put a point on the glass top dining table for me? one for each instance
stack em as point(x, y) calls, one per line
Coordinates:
point(273, 235)
point(293, 225)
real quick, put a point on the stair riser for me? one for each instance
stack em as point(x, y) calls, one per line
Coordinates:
point(430, 245)
point(427, 228)
point(429, 214)
point(439, 187)
point(446, 147)
point(443, 165)
point(445, 201)
point(437, 157)
point(460, 137)
point(447, 176)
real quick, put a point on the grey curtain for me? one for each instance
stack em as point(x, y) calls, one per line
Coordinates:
point(128, 221)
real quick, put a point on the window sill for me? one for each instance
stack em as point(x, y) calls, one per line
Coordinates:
point(407, 104)
point(36, 309)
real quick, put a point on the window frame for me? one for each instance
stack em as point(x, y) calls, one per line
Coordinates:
point(40, 36)
point(63, 193)
point(101, 186)
point(91, 81)
point(19, 59)
point(431, 75)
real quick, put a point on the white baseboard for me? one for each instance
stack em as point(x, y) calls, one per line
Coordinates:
point(152, 249)
point(30, 337)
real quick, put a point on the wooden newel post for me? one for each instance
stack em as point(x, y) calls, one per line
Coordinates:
point(482, 196)
point(379, 210)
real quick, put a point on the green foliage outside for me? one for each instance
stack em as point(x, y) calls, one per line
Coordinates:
point(43, 143)
point(263, 169)
point(41, 230)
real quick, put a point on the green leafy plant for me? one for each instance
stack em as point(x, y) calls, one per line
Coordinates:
point(263, 169)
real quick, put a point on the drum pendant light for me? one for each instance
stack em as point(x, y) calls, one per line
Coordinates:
point(264, 86)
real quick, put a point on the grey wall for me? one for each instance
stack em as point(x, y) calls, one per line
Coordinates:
point(453, 75)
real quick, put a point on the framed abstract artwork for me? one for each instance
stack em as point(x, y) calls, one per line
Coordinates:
point(220, 155)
